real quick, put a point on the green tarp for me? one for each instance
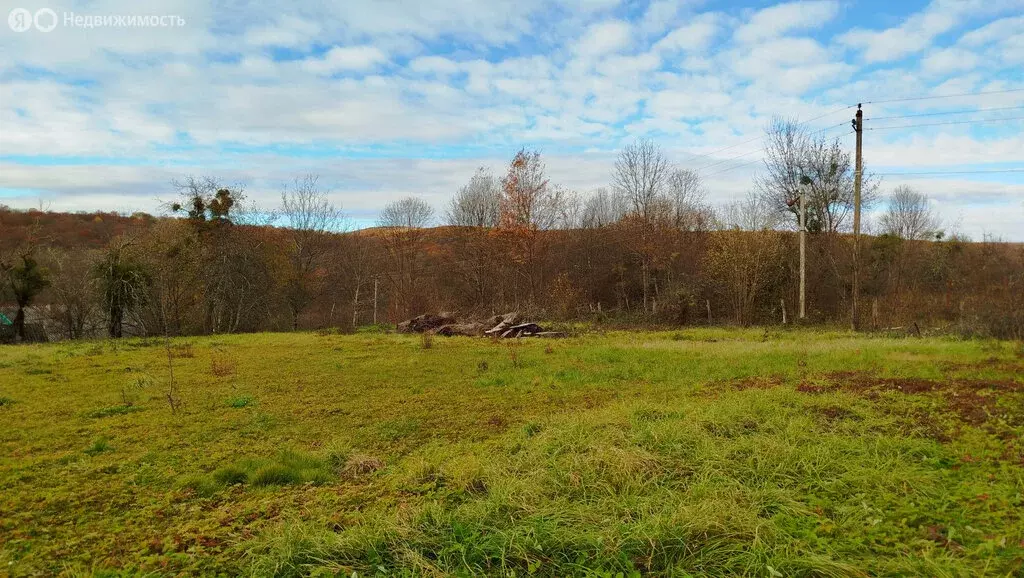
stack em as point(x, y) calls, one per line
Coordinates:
point(4, 320)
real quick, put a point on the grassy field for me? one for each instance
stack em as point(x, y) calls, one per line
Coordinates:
point(699, 452)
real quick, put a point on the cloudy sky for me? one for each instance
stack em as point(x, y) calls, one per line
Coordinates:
point(386, 98)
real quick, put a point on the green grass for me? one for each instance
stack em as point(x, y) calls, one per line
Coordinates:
point(112, 411)
point(693, 452)
point(241, 401)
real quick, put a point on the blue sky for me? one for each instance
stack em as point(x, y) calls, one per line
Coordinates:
point(389, 98)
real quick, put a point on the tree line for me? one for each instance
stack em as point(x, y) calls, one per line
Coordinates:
point(650, 248)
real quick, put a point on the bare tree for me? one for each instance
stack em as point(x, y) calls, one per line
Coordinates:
point(407, 213)
point(309, 218)
point(751, 213)
point(601, 209)
point(477, 207)
point(640, 175)
point(402, 222)
point(685, 194)
point(74, 291)
point(909, 215)
point(477, 204)
point(791, 152)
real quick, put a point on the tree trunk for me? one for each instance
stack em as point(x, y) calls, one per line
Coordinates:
point(19, 322)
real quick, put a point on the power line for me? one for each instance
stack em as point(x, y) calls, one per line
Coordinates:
point(826, 129)
point(801, 123)
point(945, 96)
point(974, 172)
point(946, 112)
point(946, 123)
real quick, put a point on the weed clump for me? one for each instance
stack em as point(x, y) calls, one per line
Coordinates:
point(99, 446)
point(231, 476)
point(241, 401)
point(222, 366)
point(6, 401)
point(276, 475)
point(286, 469)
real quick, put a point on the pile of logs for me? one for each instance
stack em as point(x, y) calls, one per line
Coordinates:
point(504, 326)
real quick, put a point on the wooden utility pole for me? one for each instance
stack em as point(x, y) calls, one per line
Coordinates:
point(375, 301)
point(858, 127)
point(803, 249)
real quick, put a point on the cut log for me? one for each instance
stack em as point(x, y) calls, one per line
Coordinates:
point(424, 323)
point(461, 329)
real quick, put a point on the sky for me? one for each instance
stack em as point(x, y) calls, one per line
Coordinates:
point(388, 98)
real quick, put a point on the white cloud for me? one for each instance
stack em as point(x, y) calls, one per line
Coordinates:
point(694, 36)
point(288, 31)
point(433, 65)
point(482, 77)
point(918, 31)
point(949, 61)
point(603, 38)
point(777, 20)
point(345, 58)
point(994, 31)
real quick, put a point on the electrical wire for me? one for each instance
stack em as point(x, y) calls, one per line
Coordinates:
point(945, 113)
point(1009, 90)
point(973, 172)
point(756, 138)
point(826, 129)
point(946, 123)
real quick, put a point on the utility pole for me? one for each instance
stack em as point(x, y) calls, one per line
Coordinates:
point(803, 246)
point(801, 190)
point(858, 127)
point(375, 301)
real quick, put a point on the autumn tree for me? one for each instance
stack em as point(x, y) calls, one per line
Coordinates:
point(744, 259)
point(528, 206)
point(233, 260)
point(660, 200)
